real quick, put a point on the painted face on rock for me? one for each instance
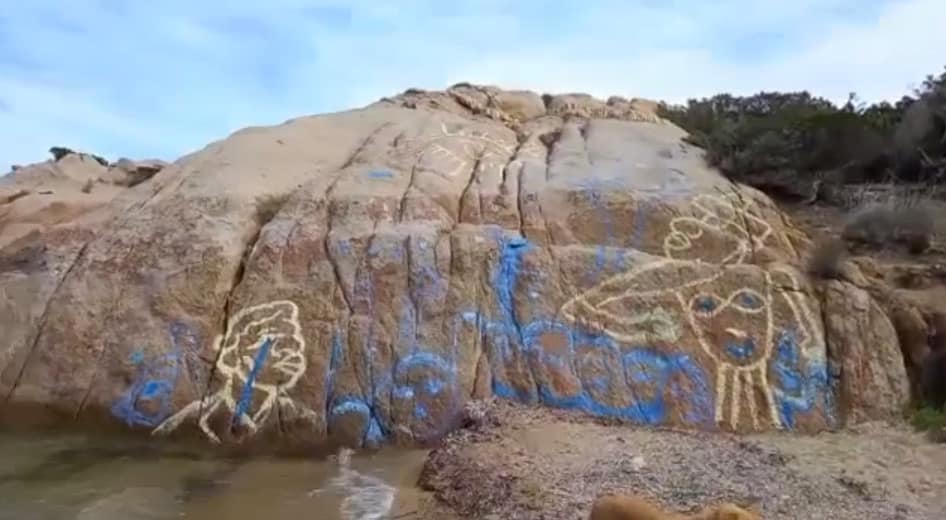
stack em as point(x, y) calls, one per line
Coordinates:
point(734, 326)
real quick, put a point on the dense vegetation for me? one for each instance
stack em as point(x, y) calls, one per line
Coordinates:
point(786, 140)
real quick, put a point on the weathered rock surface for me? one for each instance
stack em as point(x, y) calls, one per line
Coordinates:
point(360, 275)
point(866, 351)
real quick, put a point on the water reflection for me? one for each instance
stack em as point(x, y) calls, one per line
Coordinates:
point(78, 478)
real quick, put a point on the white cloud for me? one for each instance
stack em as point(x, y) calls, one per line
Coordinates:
point(119, 77)
point(879, 58)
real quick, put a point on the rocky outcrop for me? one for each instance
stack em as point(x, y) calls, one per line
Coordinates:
point(909, 294)
point(66, 192)
point(866, 350)
point(360, 275)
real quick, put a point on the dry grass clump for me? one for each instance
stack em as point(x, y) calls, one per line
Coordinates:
point(888, 225)
point(826, 259)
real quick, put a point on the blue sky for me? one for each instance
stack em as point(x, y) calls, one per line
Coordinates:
point(160, 79)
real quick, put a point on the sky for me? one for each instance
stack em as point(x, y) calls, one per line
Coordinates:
point(137, 79)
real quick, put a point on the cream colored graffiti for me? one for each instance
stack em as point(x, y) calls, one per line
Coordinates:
point(811, 343)
point(457, 151)
point(613, 306)
point(737, 381)
point(728, 218)
point(602, 307)
point(282, 365)
point(657, 324)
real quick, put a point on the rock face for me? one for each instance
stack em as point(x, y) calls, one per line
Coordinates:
point(360, 275)
point(874, 382)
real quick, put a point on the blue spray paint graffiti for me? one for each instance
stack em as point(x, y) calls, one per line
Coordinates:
point(137, 357)
point(674, 185)
point(593, 188)
point(603, 369)
point(362, 406)
point(380, 174)
point(335, 360)
point(642, 371)
point(246, 393)
point(743, 350)
point(506, 333)
point(414, 383)
point(798, 386)
point(585, 373)
point(148, 401)
point(570, 367)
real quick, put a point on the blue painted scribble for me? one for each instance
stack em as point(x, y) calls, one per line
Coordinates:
point(642, 371)
point(372, 434)
point(541, 359)
point(380, 174)
point(749, 301)
point(636, 371)
point(741, 350)
point(505, 333)
point(344, 247)
point(147, 401)
point(706, 304)
point(364, 407)
point(246, 393)
point(421, 379)
point(335, 359)
point(137, 357)
point(593, 189)
point(426, 375)
point(798, 386)
point(675, 185)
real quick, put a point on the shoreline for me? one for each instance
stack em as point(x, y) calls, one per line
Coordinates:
point(537, 463)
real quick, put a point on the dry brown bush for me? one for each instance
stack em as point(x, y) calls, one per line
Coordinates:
point(897, 222)
point(826, 259)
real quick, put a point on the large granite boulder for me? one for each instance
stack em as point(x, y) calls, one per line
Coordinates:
point(359, 276)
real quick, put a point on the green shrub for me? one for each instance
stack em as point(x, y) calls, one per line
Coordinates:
point(806, 135)
point(928, 419)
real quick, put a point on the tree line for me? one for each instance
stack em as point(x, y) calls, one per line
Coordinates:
point(803, 138)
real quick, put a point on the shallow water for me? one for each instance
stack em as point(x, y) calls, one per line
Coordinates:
point(75, 477)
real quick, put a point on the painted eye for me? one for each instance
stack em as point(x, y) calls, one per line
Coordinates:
point(705, 304)
point(748, 300)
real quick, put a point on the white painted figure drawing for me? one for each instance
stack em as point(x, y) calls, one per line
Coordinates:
point(731, 312)
point(259, 360)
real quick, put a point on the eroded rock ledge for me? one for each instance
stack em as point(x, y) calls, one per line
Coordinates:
point(359, 276)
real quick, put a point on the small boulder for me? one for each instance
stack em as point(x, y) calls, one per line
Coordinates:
point(128, 173)
point(863, 342)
